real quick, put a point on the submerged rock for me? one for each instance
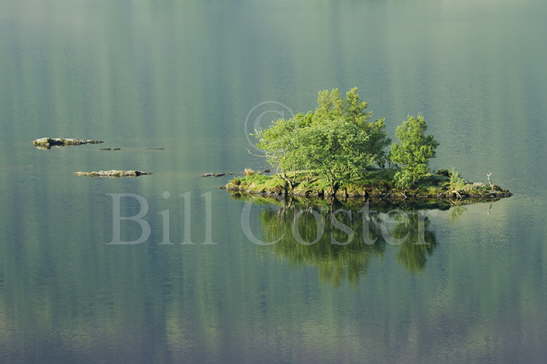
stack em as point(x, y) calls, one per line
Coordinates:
point(113, 173)
point(110, 149)
point(220, 174)
point(62, 142)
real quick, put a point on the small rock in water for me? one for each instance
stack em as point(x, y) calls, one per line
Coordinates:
point(110, 149)
point(62, 142)
point(156, 148)
point(113, 173)
point(221, 174)
point(267, 171)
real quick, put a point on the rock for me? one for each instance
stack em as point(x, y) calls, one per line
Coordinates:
point(155, 148)
point(62, 142)
point(267, 171)
point(248, 172)
point(41, 147)
point(110, 149)
point(213, 174)
point(113, 173)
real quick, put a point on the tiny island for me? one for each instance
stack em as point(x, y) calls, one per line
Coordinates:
point(338, 151)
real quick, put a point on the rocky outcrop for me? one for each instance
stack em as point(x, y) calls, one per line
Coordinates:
point(113, 173)
point(247, 172)
point(496, 193)
point(379, 187)
point(48, 142)
point(220, 174)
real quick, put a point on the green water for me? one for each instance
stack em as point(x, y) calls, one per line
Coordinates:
point(183, 75)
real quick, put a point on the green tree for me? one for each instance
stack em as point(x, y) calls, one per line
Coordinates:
point(337, 141)
point(413, 152)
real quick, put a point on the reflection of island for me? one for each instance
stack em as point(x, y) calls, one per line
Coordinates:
point(341, 243)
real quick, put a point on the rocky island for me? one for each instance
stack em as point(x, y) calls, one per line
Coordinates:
point(438, 190)
point(113, 173)
point(338, 152)
point(48, 142)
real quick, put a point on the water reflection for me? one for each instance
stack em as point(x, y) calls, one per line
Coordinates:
point(342, 241)
point(183, 75)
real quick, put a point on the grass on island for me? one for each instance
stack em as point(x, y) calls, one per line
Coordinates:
point(374, 183)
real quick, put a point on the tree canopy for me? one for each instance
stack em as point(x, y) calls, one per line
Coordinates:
point(337, 141)
point(413, 151)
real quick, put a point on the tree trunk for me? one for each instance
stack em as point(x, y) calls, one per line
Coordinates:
point(288, 183)
point(335, 187)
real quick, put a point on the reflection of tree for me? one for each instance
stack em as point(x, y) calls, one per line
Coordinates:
point(419, 242)
point(456, 211)
point(316, 237)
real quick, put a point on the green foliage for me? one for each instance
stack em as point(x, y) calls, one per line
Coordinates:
point(413, 152)
point(258, 182)
point(457, 183)
point(337, 141)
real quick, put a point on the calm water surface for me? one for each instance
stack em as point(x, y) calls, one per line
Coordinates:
point(183, 75)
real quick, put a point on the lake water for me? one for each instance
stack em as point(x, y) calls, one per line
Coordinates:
point(184, 75)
